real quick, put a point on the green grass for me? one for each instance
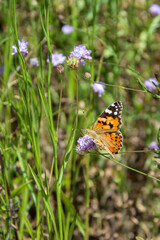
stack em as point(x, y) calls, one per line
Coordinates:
point(47, 190)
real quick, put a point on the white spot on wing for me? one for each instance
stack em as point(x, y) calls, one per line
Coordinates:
point(115, 113)
point(108, 111)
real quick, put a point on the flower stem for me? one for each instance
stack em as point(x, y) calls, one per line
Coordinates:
point(87, 198)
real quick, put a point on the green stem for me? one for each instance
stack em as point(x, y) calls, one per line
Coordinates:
point(133, 169)
point(77, 97)
point(87, 198)
point(94, 6)
point(49, 113)
point(59, 110)
point(121, 87)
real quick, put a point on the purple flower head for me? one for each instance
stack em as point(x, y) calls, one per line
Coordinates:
point(155, 9)
point(57, 58)
point(84, 144)
point(153, 145)
point(22, 47)
point(67, 29)
point(99, 88)
point(34, 62)
point(81, 53)
point(149, 84)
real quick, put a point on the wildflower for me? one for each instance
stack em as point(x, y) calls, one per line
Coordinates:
point(22, 47)
point(81, 53)
point(153, 145)
point(99, 88)
point(34, 62)
point(84, 144)
point(150, 85)
point(67, 29)
point(87, 75)
point(57, 58)
point(155, 9)
point(60, 69)
point(73, 63)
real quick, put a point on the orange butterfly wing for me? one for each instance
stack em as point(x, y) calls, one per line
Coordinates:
point(111, 142)
point(110, 119)
point(105, 131)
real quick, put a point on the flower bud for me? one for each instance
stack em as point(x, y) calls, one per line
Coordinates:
point(60, 68)
point(72, 62)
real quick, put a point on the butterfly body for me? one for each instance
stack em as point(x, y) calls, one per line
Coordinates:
point(105, 131)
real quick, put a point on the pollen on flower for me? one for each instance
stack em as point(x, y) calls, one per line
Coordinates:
point(80, 52)
point(84, 144)
point(99, 88)
point(72, 62)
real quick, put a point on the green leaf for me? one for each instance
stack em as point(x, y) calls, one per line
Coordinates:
point(72, 228)
point(25, 175)
point(27, 224)
point(66, 157)
point(110, 52)
point(70, 208)
point(19, 189)
point(139, 238)
point(46, 201)
point(154, 25)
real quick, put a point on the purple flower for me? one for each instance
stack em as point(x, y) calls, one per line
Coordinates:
point(22, 47)
point(149, 84)
point(155, 9)
point(99, 88)
point(57, 58)
point(153, 145)
point(67, 29)
point(81, 53)
point(84, 144)
point(34, 62)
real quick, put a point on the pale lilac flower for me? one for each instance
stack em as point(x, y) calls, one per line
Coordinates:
point(81, 53)
point(153, 145)
point(67, 29)
point(57, 58)
point(149, 84)
point(22, 47)
point(98, 88)
point(155, 9)
point(34, 62)
point(84, 144)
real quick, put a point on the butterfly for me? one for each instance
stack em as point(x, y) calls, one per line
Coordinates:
point(105, 131)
